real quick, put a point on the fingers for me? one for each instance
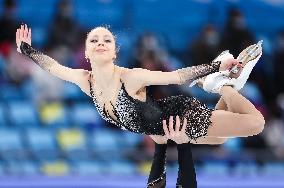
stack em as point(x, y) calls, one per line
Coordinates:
point(184, 125)
point(231, 63)
point(166, 130)
point(240, 65)
point(22, 31)
point(30, 33)
point(26, 31)
point(235, 61)
point(177, 124)
point(171, 127)
point(17, 35)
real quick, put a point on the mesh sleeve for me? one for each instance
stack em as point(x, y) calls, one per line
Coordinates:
point(190, 74)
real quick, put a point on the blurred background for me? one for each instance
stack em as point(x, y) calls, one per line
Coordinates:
point(50, 132)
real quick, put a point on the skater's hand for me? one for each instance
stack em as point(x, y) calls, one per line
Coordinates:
point(23, 34)
point(178, 134)
point(228, 64)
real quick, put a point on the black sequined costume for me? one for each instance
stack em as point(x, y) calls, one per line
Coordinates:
point(146, 117)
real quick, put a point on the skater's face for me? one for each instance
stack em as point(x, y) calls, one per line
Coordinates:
point(100, 45)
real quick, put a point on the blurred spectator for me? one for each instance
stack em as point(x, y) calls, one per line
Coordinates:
point(64, 31)
point(65, 34)
point(236, 35)
point(150, 54)
point(18, 67)
point(274, 130)
point(206, 47)
point(147, 48)
point(8, 25)
point(279, 61)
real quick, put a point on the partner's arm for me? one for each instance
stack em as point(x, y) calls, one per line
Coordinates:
point(186, 172)
point(157, 177)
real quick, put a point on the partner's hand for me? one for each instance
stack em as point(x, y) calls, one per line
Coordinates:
point(178, 134)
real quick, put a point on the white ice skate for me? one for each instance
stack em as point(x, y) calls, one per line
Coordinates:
point(248, 57)
point(225, 55)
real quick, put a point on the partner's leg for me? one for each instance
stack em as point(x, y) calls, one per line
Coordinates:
point(242, 120)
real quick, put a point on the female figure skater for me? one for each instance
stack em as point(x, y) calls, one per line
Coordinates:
point(119, 93)
point(186, 171)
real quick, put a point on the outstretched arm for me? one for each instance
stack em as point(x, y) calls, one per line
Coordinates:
point(146, 77)
point(143, 77)
point(23, 41)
